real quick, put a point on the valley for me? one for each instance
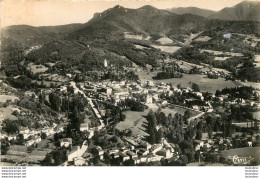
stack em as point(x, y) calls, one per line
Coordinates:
point(144, 86)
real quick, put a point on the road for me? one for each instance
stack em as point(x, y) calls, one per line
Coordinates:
point(197, 116)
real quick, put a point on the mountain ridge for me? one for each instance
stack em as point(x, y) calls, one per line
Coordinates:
point(192, 10)
point(244, 11)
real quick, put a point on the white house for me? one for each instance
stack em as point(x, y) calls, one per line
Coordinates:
point(164, 152)
point(156, 148)
point(109, 91)
point(24, 130)
point(11, 137)
point(105, 63)
point(36, 139)
point(123, 156)
point(77, 151)
point(79, 161)
point(198, 144)
point(84, 126)
point(90, 133)
point(65, 142)
point(149, 99)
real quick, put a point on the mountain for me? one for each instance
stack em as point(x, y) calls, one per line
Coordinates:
point(145, 20)
point(244, 11)
point(192, 10)
point(105, 31)
point(29, 34)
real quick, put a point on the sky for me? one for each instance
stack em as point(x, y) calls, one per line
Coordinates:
point(60, 12)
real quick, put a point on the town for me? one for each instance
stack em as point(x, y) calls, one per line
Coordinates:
point(132, 87)
point(104, 104)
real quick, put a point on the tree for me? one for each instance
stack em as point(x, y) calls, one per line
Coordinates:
point(159, 136)
point(187, 149)
point(179, 86)
point(199, 135)
point(195, 87)
point(210, 132)
point(55, 101)
point(20, 139)
point(212, 158)
point(222, 159)
point(152, 137)
point(4, 146)
point(59, 156)
point(43, 136)
point(187, 114)
point(183, 160)
point(47, 160)
point(9, 126)
point(57, 136)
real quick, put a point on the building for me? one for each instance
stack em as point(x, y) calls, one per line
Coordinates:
point(105, 63)
point(123, 156)
point(11, 137)
point(195, 107)
point(145, 145)
point(79, 161)
point(156, 148)
point(77, 152)
point(109, 91)
point(154, 158)
point(84, 126)
point(132, 155)
point(149, 99)
point(33, 141)
point(99, 152)
point(143, 152)
point(65, 142)
point(198, 144)
point(24, 130)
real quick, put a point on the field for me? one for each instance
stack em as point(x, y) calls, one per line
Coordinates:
point(140, 47)
point(189, 38)
point(136, 37)
point(36, 68)
point(164, 40)
point(145, 75)
point(253, 84)
point(203, 38)
point(136, 121)
point(185, 65)
point(3, 98)
point(7, 113)
point(19, 154)
point(205, 84)
point(26, 52)
point(221, 52)
point(179, 110)
point(254, 152)
point(167, 49)
point(220, 58)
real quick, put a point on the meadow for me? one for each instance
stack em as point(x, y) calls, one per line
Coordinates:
point(205, 84)
point(167, 49)
point(136, 121)
point(3, 98)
